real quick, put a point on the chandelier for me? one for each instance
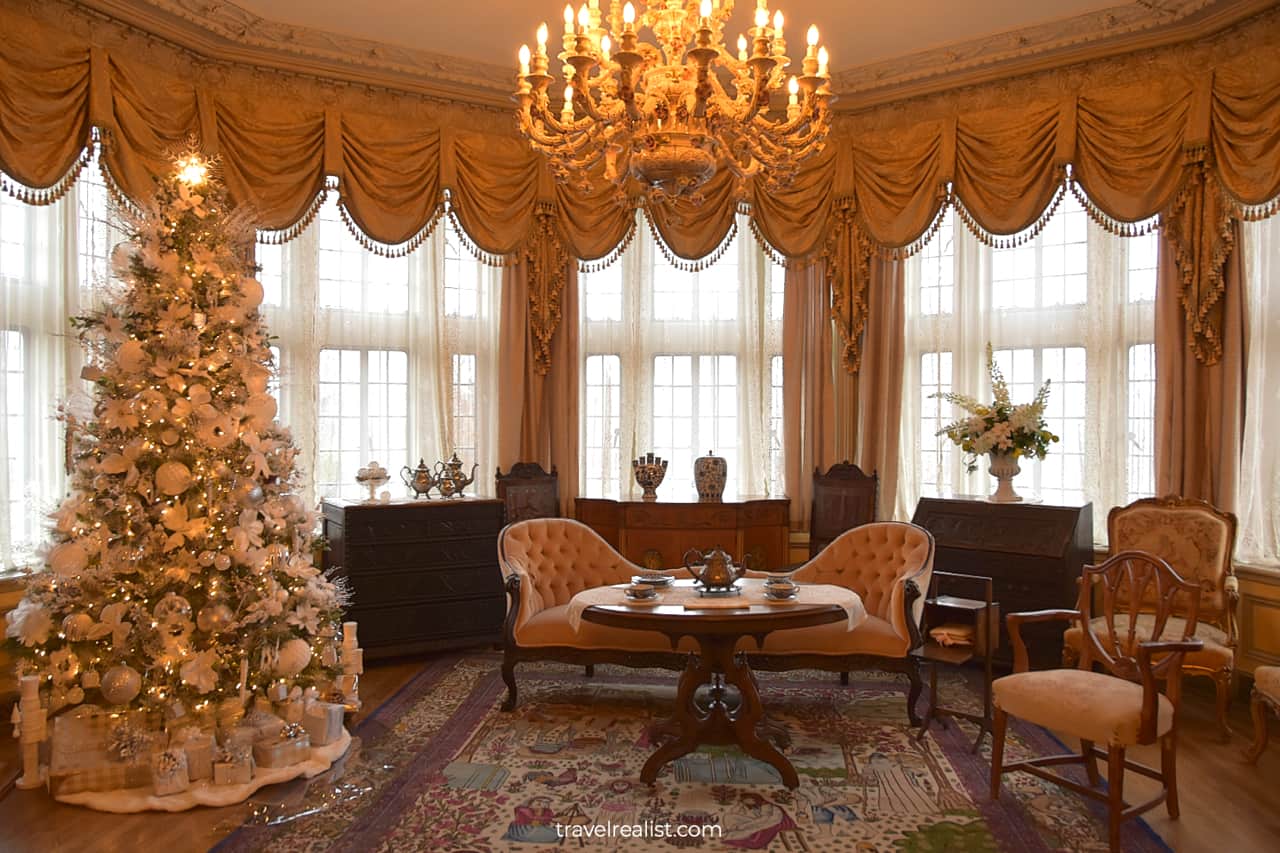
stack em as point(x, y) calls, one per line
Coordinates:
point(670, 114)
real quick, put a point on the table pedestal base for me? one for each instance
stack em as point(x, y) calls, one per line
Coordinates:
point(715, 718)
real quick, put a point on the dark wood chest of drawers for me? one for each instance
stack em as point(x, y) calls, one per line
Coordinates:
point(424, 574)
point(1032, 553)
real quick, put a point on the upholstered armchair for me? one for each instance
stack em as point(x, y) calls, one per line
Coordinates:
point(545, 562)
point(888, 564)
point(1119, 707)
point(1265, 697)
point(1197, 541)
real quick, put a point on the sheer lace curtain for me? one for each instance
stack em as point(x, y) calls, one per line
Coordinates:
point(54, 263)
point(382, 359)
point(1074, 305)
point(1259, 482)
point(680, 363)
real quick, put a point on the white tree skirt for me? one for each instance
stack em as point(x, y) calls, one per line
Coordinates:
point(204, 792)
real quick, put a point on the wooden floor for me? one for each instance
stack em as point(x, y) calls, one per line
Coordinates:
point(1227, 806)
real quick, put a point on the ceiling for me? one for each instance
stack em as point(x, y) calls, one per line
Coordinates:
point(858, 34)
point(880, 51)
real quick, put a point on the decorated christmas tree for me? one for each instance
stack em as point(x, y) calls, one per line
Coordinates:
point(179, 579)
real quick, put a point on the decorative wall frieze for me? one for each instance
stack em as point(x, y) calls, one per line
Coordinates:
point(223, 31)
point(226, 32)
point(1083, 38)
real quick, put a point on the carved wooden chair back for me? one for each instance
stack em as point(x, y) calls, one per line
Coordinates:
point(843, 498)
point(1194, 537)
point(527, 491)
point(1126, 585)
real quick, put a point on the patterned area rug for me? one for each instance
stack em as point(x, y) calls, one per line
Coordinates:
point(440, 768)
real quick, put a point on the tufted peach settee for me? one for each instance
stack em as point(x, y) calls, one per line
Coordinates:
point(546, 561)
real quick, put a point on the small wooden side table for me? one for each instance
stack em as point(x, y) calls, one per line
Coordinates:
point(717, 633)
point(984, 615)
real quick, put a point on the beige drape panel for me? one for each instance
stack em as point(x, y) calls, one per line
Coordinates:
point(150, 116)
point(878, 398)
point(593, 223)
point(1199, 407)
point(1244, 132)
point(44, 109)
point(495, 190)
point(274, 162)
point(539, 410)
point(390, 182)
point(1129, 144)
point(900, 179)
point(1005, 166)
point(809, 199)
point(693, 231)
point(808, 386)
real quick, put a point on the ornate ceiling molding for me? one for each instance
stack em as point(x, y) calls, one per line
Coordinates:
point(1139, 25)
point(222, 31)
point(225, 32)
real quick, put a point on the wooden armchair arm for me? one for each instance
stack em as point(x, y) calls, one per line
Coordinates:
point(1015, 621)
point(1150, 689)
point(1231, 588)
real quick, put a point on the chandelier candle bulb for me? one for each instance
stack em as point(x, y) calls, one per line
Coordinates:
point(542, 39)
point(524, 60)
point(742, 48)
point(822, 62)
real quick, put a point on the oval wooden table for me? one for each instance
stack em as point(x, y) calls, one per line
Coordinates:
point(715, 720)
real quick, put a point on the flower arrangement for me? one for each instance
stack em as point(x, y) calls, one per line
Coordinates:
point(1000, 427)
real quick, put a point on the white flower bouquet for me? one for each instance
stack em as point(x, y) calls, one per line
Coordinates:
point(1000, 427)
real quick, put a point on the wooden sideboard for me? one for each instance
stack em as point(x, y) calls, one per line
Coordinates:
point(424, 574)
point(1032, 552)
point(635, 528)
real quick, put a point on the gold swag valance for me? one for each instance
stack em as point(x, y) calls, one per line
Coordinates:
point(1190, 133)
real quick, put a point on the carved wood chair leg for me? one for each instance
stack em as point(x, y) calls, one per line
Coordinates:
point(1222, 681)
point(509, 678)
point(1070, 657)
point(1169, 770)
point(591, 670)
point(844, 678)
point(1115, 799)
point(997, 751)
point(913, 694)
point(1090, 763)
point(1260, 733)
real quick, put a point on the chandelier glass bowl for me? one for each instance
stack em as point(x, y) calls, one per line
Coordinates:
point(673, 111)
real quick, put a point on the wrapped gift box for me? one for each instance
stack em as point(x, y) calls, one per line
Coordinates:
point(289, 747)
point(234, 766)
point(264, 724)
point(80, 758)
point(200, 750)
point(169, 771)
point(323, 722)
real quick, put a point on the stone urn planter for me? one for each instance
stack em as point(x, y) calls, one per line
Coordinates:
point(1004, 467)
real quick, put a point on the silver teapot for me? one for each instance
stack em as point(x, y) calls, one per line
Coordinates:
point(419, 479)
point(449, 481)
point(714, 569)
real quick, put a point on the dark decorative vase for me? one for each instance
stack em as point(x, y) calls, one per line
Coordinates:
point(709, 475)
